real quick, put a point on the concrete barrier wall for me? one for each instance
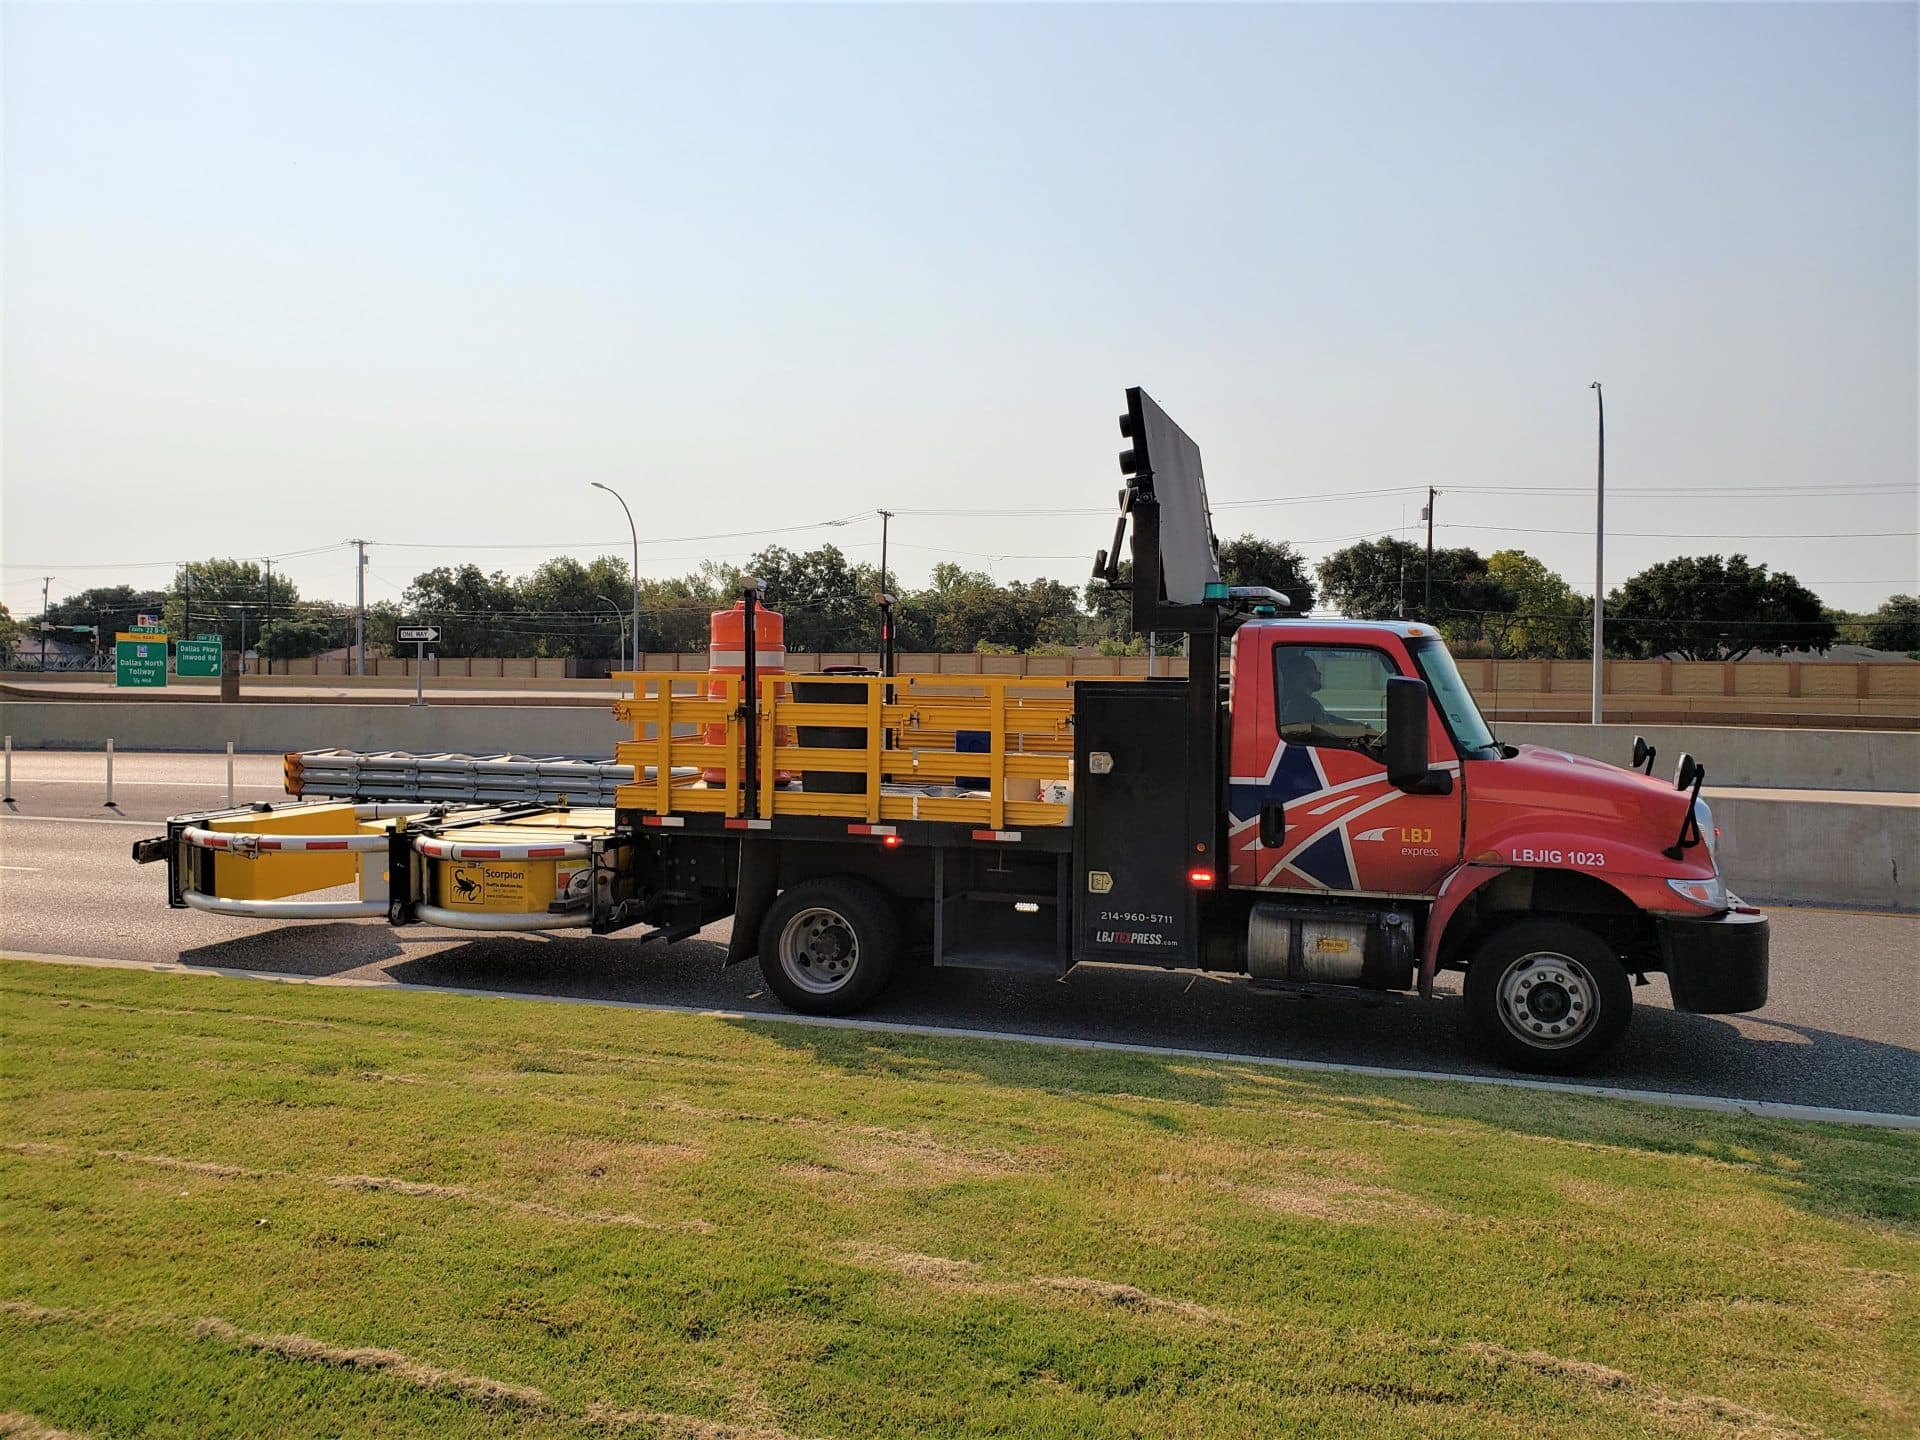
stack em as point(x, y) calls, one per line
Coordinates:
point(1738, 755)
point(1776, 848)
point(588, 733)
point(1820, 852)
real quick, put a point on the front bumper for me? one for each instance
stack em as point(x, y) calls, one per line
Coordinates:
point(1715, 966)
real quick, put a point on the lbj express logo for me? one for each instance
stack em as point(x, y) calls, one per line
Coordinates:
point(1412, 839)
point(1405, 834)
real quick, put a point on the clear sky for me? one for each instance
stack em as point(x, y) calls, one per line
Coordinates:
point(278, 276)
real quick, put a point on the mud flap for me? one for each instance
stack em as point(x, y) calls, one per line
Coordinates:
point(753, 896)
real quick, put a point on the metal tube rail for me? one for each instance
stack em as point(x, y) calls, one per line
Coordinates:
point(435, 849)
point(498, 920)
point(247, 844)
point(284, 909)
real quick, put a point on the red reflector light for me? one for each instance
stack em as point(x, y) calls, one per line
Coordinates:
point(1200, 879)
point(892, 842)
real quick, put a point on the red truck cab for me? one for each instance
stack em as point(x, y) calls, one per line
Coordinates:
point(1548, 878)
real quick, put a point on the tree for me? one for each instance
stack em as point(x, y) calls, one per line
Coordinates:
point(1249, 560)
point(1706, 607)
point(1385, 579)
point(828, 604)
point(1896, 624)
point(113, 608)
point(471, 607)
point(1110, 608)
point(299, 638)
point(9, 630)
point(675, 613)
point(224, 597)
point(1547, 620)
point(561, 611)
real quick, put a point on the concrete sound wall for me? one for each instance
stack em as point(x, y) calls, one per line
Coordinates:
point(587, 733)
point(1735, 755)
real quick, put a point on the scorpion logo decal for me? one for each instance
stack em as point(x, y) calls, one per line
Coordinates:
point(465, 887)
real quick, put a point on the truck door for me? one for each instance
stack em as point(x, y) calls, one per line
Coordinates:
point(1309, 805)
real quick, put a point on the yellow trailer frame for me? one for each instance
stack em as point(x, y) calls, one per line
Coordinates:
point(911, 722)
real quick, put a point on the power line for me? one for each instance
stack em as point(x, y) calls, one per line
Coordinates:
point(1674, 535)
point(1866, 487)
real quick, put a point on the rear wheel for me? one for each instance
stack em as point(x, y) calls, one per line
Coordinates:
point(827, 947)
point(1547, 995)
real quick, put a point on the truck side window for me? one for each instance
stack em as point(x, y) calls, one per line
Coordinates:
point(1331, 695)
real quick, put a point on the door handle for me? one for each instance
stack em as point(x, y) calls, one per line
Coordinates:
point(1273, 823)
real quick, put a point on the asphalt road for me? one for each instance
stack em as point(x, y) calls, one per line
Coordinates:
point(1842, 1028)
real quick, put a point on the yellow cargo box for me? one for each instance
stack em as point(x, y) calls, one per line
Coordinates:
point(274, 875)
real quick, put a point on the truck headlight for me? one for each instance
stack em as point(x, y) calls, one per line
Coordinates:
point(1709, 832)
point(1708, 894)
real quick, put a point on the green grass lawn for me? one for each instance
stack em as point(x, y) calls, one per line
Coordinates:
point(239, 1209)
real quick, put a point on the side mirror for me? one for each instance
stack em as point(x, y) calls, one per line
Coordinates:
point(1688, 771)
point(1406, 732)
point(1643, 754)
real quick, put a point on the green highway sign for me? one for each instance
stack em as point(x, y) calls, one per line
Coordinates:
point(198, 657)
point(140, 659)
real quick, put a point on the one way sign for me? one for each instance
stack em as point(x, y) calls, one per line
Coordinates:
point(419, 634)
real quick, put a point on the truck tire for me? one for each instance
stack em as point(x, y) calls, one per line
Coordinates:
point(1546, 995)
point(827, 946)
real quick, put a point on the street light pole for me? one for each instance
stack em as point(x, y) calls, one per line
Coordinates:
point(619, 621)
point(1599, 553)
point(634, 530)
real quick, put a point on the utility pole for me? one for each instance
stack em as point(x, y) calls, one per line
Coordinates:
point(886, 602)
point(269, 622)
point(186, 601)
point(46, 584)
point(1599, 553)
point(360, 607)
point(1427, 515)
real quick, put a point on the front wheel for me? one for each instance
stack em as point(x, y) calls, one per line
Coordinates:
point(828, 946)
point(1547, 995)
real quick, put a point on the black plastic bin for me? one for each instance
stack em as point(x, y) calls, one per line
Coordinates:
point(832, 737)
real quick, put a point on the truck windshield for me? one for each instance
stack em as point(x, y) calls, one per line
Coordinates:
point(1450, 693)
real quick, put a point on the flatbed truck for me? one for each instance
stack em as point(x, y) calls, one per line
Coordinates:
point(1317, 803)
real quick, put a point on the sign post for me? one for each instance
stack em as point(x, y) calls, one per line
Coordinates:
point(140, 659)
point(420, 636)
point(202, 656)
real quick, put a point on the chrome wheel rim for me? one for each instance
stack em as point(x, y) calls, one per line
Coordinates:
point(819, 951)
point(1548, 1001)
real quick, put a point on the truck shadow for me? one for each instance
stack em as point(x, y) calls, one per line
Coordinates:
point(311, 949)
point(574, 967)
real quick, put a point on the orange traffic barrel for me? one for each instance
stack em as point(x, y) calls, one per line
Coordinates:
point(727, 655)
